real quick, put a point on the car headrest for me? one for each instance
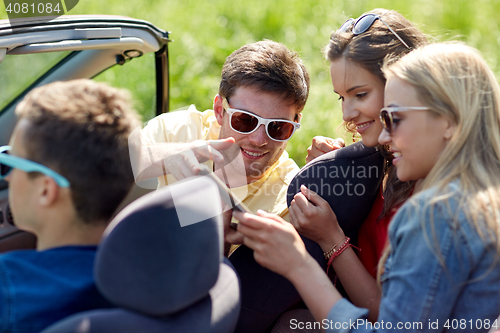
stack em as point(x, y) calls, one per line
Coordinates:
point(162, 252)
point(348, 178)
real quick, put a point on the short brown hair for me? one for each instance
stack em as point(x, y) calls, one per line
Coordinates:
point(268, 66)
point(80, 129)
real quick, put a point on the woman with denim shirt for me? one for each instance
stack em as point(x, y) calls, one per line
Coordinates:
point(442, 269)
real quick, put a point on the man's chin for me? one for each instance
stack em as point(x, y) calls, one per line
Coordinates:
point(256, 170)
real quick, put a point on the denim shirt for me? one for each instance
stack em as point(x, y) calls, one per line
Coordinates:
point(419, 293)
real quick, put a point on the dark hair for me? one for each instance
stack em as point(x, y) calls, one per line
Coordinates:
point(80, 129)
point(395, 191)
point(373, 46)
point(268, 66)
point(370, 50)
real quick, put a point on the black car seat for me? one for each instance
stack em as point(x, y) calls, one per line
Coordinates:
point(161, 264)
point(349, 179)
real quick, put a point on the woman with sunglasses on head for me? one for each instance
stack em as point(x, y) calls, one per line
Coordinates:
point(441, 269)
point(356, 52)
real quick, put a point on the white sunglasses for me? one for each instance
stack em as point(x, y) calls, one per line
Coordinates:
point(245, 122)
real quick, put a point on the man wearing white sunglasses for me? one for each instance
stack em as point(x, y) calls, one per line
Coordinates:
point(264, 88)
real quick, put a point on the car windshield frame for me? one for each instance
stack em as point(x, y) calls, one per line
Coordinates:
point(94, 32)
point(89, 28)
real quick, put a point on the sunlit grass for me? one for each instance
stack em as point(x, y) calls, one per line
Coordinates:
point(206, 32)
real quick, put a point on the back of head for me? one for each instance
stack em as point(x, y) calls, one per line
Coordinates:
point(80, 129)
point(370, 48)
point(268, 66)
point(454, 81)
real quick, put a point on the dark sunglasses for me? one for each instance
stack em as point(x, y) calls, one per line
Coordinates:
point(8, 162)
point(386, 115)
point(245, 122)
point(363, 23)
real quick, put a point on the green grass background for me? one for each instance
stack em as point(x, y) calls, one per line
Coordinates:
point(206, 32)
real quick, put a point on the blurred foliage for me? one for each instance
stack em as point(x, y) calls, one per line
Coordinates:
point(18, 72)
point(206, 32)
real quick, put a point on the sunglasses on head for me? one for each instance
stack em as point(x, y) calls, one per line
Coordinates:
point(9, 162)
point(245, 122)
point(363, 23)
point(386, 115)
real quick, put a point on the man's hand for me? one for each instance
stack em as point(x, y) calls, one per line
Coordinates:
point(313, 217)
point(322, 145)
point(231, 236)
point(182, 160)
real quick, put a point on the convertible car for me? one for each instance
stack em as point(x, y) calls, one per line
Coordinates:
point(150, 268)
point(35, 52)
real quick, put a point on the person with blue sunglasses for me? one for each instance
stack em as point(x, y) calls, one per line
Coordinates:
point(68, 169)
point(9, 162)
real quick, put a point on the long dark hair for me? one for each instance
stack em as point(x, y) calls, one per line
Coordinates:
point(369, 50)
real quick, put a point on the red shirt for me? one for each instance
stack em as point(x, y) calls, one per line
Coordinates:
point(372, 236)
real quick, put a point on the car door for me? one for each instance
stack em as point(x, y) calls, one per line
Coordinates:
point(34, 52)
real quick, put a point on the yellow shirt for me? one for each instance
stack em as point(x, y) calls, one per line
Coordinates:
point(268, 193)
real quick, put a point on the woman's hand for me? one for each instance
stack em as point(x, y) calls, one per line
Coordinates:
point(276, 244)
point(313, 217)
point(322, 145)
point(278, 247)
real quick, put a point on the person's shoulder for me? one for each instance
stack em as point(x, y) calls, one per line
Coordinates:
point(179, 126)
point(450, 190)
point(185, 114)
point(18, 256)
point(435, 197)
point(442, 203)
point(25, 261)
point(441, 206)
point(69, 261)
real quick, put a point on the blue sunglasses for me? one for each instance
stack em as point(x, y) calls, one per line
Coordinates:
point(8, 162)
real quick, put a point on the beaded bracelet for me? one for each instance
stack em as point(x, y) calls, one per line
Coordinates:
point(329, 253)
point(337, 252)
